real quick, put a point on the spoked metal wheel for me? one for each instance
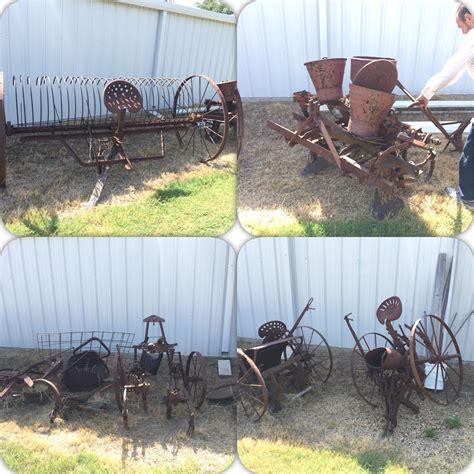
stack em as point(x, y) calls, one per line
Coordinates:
point(252, 392)
point(196, 379)
point(239, 121)
point(200, 100)
point(315, 352)
point(362, 375)
point(120, 390)
point(435, 358)
point(44, 393)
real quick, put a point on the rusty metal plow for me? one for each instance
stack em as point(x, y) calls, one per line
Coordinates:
point(299, 357)
point(103, 114)
point(387, 370)
point(187, 384)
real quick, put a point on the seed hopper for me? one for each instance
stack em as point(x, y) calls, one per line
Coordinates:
point(187, 384)
point(299, 357)
point(94, 118)
point(360, 132)
point(387, 370)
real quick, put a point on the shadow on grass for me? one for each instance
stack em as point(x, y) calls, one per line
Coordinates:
point(166, 195)
point(404, 225)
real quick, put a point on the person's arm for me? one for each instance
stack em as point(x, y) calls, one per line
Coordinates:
point(450, 73)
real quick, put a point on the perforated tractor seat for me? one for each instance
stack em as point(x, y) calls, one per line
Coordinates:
point(272, 331)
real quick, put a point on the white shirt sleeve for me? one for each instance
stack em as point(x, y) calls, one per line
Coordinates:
point(453, 69)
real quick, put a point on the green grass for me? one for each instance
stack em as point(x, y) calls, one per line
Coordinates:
point(39, 459)
point(452, 422)
point(203, 205)
point(265, 457)
point(431, 433)
point(347, 228)
point(405, 224)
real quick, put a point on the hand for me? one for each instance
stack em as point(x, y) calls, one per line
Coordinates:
point(421, 102)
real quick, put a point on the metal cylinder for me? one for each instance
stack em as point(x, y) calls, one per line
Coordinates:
point(383, 358)
point(358, 62)
point(368, 109)
point(327, 75)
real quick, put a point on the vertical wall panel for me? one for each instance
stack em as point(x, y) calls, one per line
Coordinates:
point(349, 275)
point(111, 284)
point(276, 37)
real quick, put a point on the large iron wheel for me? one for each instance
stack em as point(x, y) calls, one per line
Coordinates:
point(315, 353)
point(362, 375)
point(196, 378)
point(42, 392)
point(433, 342)
point(239, 121)
point(252, 392)
point(120, 389)
point(200, 100)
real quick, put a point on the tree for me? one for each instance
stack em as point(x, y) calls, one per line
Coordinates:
point(214, 6)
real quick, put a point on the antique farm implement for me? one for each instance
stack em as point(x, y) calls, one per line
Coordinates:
point(299, 357)
point(360, 132)
point(73, 367)
point(94, 118)
point(186, 384)
point(427, 360)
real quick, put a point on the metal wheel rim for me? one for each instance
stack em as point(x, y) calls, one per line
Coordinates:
point(196, 378)
point(357, 356)
point(240, 121)
point(209, 136)
point(259, 385)
point(416, 341)
point(119, 380)
point(308, 352)
point(54, 397)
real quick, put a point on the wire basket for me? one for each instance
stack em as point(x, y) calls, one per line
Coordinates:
point(62, 344)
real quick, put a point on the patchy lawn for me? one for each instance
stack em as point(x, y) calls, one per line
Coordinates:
point(333, 428)
point(97, 442)
point(47, 192)
point(275, 198)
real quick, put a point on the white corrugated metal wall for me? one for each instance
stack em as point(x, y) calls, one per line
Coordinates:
point(276, 37)
point(276, 277)
point(111, 284)
point(105, 38)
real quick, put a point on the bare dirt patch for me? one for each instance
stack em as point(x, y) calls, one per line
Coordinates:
point(151, 440)
point(272, 189)
point(334, 417)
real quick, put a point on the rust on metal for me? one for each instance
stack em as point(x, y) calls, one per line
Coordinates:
point(300, 355)
point(187, 384)
point(386, 370)
point(362, 134)
point(103, 111)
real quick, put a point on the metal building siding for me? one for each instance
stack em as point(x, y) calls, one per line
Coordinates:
point(276, 37)
point(276, 277)
point(111, 284)
point(108, 39)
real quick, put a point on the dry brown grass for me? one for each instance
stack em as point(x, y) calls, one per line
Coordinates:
point(43, 175)
point(272, 190)
point(334, 417)
point(151, 440)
